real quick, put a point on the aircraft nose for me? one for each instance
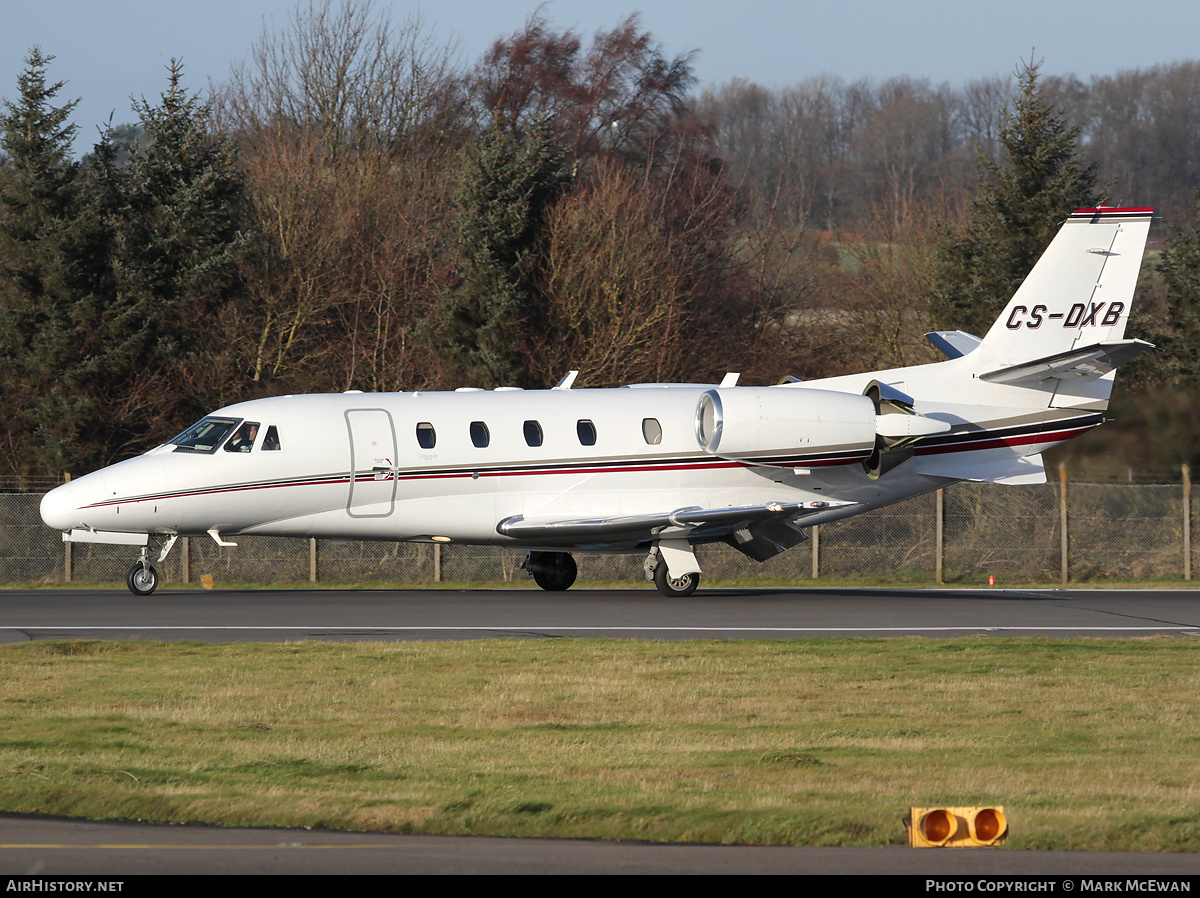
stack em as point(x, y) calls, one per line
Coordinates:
point(60, 509)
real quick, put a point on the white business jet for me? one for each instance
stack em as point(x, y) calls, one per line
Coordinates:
point(653, 467)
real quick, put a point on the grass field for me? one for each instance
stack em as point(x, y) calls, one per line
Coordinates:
point(1089, 744)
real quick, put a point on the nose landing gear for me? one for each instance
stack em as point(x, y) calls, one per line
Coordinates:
point(142, 578)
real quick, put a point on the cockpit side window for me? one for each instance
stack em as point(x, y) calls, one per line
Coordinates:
point(271, 440)
point(243, 438)
point(205, 435)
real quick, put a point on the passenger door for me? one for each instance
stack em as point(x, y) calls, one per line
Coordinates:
point(372, 437)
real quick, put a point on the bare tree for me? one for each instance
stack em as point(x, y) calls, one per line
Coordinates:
point(345, 75)
point(983, 102)
point(638, 284)
point(352, 263)
point(888, 292)
point(622, 96)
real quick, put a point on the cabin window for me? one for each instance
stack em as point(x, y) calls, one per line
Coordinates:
point(243, 438)
point(587, 432)
point(271, 440)
point(533, 433)
point(205, 435)
point(652, 431)
point(426, 435)
point(479, 435)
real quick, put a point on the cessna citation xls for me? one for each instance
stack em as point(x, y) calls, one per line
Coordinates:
point(655, 467)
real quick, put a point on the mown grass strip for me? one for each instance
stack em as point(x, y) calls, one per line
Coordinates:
point(1088, 743)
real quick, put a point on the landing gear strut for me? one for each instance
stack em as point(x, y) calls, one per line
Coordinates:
point(553, 571)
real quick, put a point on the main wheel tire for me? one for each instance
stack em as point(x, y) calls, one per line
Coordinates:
point(142, 579)
point(675, 587)
point(553, 571)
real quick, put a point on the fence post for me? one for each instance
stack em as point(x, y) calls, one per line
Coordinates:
point(185, 559)
point(1187, 523)
point(815, 532)
point(1062, 520)
point(313, 559)
point(940, 533)
point(437, 562)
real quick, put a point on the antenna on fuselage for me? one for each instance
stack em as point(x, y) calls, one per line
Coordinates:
point(565, 383)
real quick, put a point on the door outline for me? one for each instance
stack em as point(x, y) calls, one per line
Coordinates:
point(365, 424)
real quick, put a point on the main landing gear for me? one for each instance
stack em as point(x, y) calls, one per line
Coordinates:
point(553, 571)
point(556, 571)
point(676, 587)
point(657, 572)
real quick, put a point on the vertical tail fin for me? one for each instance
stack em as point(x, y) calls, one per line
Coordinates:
point(1079, 292)
point(1063, 330)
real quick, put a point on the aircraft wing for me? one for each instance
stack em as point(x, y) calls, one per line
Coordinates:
point(1084, 363)
point(693, 522)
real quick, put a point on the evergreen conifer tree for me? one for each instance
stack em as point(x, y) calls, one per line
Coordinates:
point(180, 234)
point(1039, 181)
point(1179, 267)
point(41, 273)
point(508, 182)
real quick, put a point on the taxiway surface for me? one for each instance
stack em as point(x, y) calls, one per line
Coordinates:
point(367, 614)
point(38, 846)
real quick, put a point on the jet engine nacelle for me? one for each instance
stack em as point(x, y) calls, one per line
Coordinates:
point(764, 423)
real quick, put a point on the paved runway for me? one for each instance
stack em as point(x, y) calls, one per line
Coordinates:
point(363, 614)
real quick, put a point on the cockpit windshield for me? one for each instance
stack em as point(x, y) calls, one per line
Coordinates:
point(205, 435)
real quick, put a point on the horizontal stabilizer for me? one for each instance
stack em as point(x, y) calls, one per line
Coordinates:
point(953, 344)
point(1085, 363)
point(683, 521)
point(1013, 471)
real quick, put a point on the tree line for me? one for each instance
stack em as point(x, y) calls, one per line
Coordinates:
point(354, 209)
point(832, 150)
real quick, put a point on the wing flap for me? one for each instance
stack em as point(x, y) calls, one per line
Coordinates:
point(691, 521)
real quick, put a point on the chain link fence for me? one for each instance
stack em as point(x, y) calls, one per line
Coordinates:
point(964, 535)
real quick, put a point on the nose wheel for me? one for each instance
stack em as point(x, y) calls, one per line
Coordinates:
point(142, 578)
